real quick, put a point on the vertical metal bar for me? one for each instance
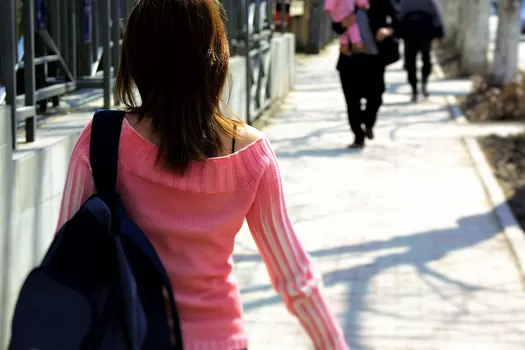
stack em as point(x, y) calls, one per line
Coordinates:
point(125, 11)
point(105, 16)
point(247, 48)
point(28, 19)
point(115, 33)
point(72, 43)
point(66, 31)
point(256, 16)
point(95, 29)
point(257, 28)
point(270, 28)
point(283, 16)
point(8, 60)
point(54, 11)
point(85, 47)
point(269, 14)
point(41, 71)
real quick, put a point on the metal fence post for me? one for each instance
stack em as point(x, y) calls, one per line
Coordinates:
point(8, 36)
point(29, 66)
point(54, 10)
point(105, 36)
point(85, 45)
point(126, 10)
point(72, 43)
point(95, 29)
point(115, 32)
point(247, 47)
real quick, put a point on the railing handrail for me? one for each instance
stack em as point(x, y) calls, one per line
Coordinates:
point(66, 42)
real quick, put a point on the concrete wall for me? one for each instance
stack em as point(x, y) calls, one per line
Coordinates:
point(282, 68)
point(282, 75)
point(32, 177)
point(37, 179)
point(5, 205)
point(235, 94)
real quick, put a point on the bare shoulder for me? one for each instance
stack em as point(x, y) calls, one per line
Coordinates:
point(246, 136)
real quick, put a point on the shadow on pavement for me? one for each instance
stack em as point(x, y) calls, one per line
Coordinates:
point(418, 250)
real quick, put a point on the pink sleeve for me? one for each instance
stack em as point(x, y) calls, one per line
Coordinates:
point(78, 188)
point(289, 265)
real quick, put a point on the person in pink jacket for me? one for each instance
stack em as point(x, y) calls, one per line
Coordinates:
point(339, 9)
point(189, 176)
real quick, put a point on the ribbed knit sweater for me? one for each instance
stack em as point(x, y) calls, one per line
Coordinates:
point(192, 221)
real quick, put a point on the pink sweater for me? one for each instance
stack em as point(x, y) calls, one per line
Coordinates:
point(192, 221)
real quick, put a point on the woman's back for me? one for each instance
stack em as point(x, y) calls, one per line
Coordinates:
point(191, 220)
point(184, 188)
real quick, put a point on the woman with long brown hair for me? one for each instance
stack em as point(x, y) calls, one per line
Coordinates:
point(189, 176)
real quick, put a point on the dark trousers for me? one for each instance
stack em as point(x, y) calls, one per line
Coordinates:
point(412, 48)
point(362, 77)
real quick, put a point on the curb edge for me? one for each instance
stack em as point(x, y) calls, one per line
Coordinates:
point(514, 234)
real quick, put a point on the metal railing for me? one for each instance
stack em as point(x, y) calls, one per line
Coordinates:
point(49, 48)
point(250, 29)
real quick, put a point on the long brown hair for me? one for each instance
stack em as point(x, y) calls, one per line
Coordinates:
point(175, 55)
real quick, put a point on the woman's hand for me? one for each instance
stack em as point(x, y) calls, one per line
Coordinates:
point(348, 21)
point(383, 33)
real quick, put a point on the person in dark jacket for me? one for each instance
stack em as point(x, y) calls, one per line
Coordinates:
point(362, 75)
point(420, 23)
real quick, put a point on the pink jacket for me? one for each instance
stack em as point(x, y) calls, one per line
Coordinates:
point(339, 9)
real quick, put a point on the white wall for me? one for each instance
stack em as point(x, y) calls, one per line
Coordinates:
point(234, 94)
point(5, 203)
point(282, 75)
point(32, 178)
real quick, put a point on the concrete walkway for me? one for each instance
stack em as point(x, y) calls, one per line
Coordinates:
point(402, 232)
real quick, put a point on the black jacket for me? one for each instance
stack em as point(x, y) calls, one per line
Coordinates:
point(420, 19)
point(382, 13)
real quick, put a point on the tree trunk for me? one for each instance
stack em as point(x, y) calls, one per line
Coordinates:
point(475, 21)
point(505, 65)
point(451, 17)
point(462, 18)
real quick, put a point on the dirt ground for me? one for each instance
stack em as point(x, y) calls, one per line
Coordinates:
point(506, 155)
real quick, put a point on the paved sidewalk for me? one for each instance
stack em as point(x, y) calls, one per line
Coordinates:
point(402, 232)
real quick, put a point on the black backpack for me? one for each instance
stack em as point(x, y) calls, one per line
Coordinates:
point(101, 285)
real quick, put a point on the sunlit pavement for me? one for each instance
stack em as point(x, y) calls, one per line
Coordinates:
point(402, 232)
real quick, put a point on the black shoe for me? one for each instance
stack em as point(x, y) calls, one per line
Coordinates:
point(357, 145)
point(425, 91)
point(414, 97)
point(369, 133)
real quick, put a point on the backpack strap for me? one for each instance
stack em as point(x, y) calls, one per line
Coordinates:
point(103, 153)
